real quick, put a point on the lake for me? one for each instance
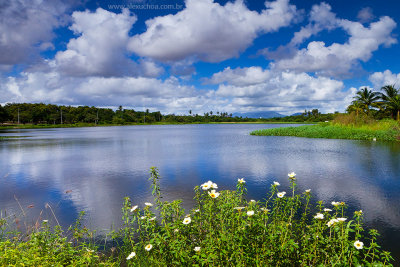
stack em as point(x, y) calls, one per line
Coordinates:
point(93, 169)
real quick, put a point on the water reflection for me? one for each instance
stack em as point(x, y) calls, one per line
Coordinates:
point(100, 166)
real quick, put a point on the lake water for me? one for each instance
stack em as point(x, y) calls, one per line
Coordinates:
point(98, 167)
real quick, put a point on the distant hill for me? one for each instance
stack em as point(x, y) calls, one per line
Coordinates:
point(296, 114)
point(261, 114)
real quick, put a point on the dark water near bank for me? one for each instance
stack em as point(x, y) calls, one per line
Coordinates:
point(102, 165)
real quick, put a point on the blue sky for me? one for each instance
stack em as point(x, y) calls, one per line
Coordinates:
point(199, 55)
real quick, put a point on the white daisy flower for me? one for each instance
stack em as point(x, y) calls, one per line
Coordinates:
point(130, 256)
point(152, 219)
point(358, 244)
point(250, 213)
point(205, 186)
point(134, 208)
point(239, 208)
point(214, 194)
point(197, 249)
point(276, 183)
point(341, 219)
point(291, 175)
point(187, 220)
point(241, 181)
point(308, 190)
point(326, 209)
point(209, 185)
point(281, 194)
point(334, 203)
point(332, 222)
point(319, 216)
point(148, 247)
point(148, 204)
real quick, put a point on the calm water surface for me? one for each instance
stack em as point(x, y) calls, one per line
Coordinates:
point(102, 165)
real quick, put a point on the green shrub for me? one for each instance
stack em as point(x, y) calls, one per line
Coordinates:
point(44, 246)
point(224, 229)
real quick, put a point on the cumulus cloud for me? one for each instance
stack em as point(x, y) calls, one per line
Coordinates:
point(279, 91)
point(26, 28)
point(335, 60)
point(320, 18)
point(380, 79)
point(274, 91)
point(207, 31)
point(100, 49)
point(240, 76)
point(137, 92)
point(365, 15)
point(338, 59)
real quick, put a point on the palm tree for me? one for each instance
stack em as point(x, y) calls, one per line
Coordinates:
point(393, 104)
point(367, 98)
point(356, 106)
point(389, 92)
point(389, 99)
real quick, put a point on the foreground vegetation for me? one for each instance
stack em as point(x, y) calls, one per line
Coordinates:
point(223, 229)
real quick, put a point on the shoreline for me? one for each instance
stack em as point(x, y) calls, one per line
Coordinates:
point(330, 131)
point(81, 125)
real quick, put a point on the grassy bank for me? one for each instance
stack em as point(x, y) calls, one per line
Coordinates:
point(223, 229)
point(380, 131)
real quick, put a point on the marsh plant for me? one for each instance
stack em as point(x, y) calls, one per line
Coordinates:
point(224, 229)
point(42, 245)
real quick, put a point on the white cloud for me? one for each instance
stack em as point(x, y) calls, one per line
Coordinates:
point(101, 47)
point(279, 91)
point(26, 28)
point(207, 31)
point(380, 79)
point(240, 76)
point(338, 59)
point(34, 87)
point(365, 15)
point(239, 90)
point(321, 17)
point(136, 92)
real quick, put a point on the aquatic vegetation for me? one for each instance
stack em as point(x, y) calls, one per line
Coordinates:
point(222, 229)
point(228, 230)
point(382, 131)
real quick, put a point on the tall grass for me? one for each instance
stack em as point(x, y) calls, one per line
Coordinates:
point(343, 127)
point(223, 229)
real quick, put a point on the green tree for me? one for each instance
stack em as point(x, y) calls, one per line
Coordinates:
point(356, 106)
point(389, 99)
point(394, 105)
point(367, 98)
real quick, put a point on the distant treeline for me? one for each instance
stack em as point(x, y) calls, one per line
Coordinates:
point(55, 114)
point(308, 116)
